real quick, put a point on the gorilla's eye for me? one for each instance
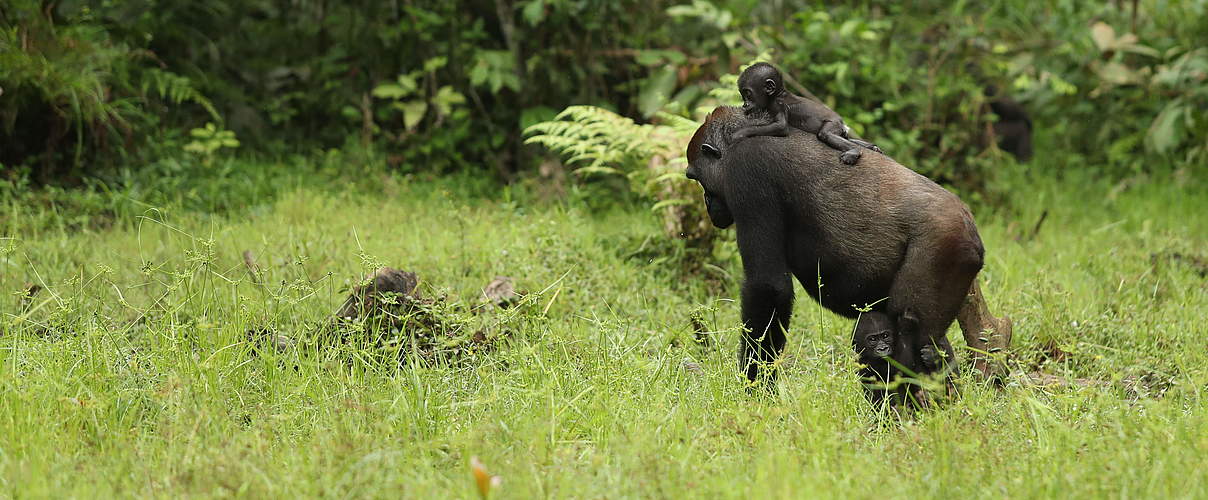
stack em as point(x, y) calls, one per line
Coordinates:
point(710, 150)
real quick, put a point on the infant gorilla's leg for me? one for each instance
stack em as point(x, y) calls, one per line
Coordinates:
point(832, 134)
point(865, 144)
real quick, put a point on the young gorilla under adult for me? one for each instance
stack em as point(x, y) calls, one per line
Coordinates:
point(878, 232)
point(762, 89)
point(877, 339)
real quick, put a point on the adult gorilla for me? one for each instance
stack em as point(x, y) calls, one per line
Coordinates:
point(874, 233)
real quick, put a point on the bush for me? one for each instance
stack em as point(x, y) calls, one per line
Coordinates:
point(449, 86)
point(72, 92)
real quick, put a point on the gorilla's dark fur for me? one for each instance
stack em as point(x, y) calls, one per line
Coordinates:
point(878, 234)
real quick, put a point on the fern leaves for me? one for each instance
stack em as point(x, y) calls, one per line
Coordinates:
point(596, 141)
point(176, 89)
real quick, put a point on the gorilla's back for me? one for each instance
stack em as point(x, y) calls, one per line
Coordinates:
point(850, 223)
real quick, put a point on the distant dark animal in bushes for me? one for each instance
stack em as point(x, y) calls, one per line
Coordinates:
point(880, 234)
point(762, 89)
point(1013, 130)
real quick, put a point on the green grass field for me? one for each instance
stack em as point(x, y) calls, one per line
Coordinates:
point(129, 373)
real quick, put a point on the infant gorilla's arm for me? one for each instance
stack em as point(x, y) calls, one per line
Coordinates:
point(779, 126)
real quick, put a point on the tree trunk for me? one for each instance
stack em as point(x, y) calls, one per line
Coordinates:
point(986, 336)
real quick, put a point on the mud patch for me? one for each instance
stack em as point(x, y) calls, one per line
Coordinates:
point(386, 317)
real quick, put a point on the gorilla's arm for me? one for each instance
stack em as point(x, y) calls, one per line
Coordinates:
point(778, 127)
point(767, 293)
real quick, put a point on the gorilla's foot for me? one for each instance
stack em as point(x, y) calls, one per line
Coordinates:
point(987, 336)
point(850, 157)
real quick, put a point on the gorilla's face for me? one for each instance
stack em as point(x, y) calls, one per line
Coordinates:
point(758, 85)
point(705, 169)
point(874, 336)
point(878, 344)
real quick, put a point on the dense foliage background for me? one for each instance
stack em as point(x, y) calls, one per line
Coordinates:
point(436, 86)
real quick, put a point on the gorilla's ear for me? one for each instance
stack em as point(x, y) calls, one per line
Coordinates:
point(769, 86)
point(710, 150)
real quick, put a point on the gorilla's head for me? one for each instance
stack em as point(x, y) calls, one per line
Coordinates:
point(759, 84)
point(705, 165)
point(874, 336)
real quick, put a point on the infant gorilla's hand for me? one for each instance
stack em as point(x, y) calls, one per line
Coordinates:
point(932, 359)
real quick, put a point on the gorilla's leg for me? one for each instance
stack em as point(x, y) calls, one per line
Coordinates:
point(932, 282)
point(766, 311)
point(767, 292)
point(833, 134)
point(984, 333)
point(865, 144)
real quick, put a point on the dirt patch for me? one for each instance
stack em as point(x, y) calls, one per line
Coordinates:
point(501, 292)
point(1148, 385)
point(386, 317)
point(1196, 263)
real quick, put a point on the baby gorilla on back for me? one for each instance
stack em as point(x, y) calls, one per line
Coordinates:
point(762, 89)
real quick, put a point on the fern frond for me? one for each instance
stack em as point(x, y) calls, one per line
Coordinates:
point(177, 89)
point(678, 123)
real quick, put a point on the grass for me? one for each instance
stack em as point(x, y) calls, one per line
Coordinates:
point(129, 374)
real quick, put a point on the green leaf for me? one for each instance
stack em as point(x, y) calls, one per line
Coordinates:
point(656, 57)
point(1022, 82)
point(848, 27)
point(389, 91)
point(413, 112)
point(1166, 131)
point(534, 12)
point(669, 203)
point(1061, 86)
point(675, 176)
point(408, 83)
point(597, 170)
point(656, 90)
point(435, 63)
point(496, 69)
point(446, 98)
point(730, 39)
point(480, 74)
point(535, 115)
